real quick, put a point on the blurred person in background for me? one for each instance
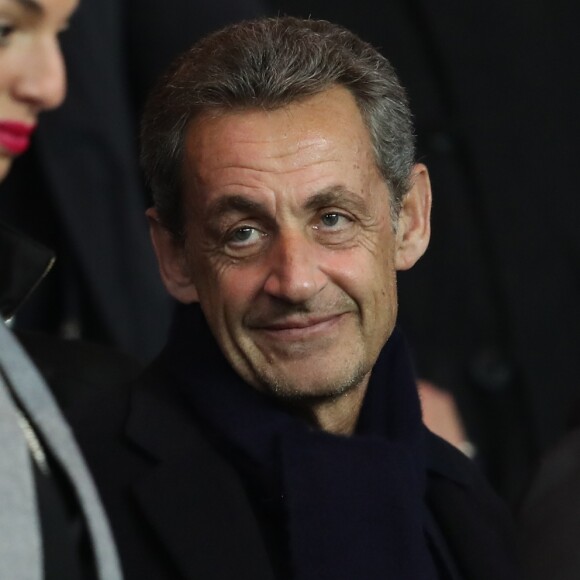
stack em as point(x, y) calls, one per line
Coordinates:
point(51, 522)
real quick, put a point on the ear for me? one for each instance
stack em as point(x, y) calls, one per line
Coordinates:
point(171, 257)
point(413, 223)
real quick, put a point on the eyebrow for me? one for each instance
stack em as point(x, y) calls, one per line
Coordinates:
point(330, 196)
point(335, 195)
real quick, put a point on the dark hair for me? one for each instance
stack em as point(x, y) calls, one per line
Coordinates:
point(269, 63)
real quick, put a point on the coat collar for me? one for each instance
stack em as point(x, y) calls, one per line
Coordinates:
point(205, 491)
point(443, 460)
point(25, 263)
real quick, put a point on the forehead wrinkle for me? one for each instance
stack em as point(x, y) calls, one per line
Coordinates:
point(202, 173)
point(272, 153)
point(288, 142)
point(293, 146)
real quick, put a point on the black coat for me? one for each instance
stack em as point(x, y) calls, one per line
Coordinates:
point(179, 510)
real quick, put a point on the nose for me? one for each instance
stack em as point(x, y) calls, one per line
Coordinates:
point(42, 81)
point(295, 273)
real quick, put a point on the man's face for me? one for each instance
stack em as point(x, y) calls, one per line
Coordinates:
point(289, 244)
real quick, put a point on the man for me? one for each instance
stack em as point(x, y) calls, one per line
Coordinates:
point(279, 434)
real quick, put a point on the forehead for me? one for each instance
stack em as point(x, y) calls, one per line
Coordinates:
point(302, 140)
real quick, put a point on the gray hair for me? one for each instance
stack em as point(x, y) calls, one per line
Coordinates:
point(267, 64)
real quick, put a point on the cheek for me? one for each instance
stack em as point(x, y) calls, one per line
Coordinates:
point(233, 288)
point(360, 272)
point(378, 290)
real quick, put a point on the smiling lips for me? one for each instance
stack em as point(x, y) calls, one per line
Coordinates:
point(301, 328)
point(15, 136)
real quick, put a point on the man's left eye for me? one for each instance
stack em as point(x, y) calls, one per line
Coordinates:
point(333, 219)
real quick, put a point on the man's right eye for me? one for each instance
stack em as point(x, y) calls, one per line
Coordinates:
point(244, 236)
point(244, 242)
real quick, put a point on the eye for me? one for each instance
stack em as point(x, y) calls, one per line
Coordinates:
point(244, 240)
point(333, 221)
point(334, 228)
point(245, 235)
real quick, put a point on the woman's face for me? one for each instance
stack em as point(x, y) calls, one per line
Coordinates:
point(32, 75)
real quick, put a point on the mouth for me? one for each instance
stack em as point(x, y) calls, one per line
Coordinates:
point(298, 329)
point(15, 136)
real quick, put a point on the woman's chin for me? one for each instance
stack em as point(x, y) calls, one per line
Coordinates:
point(5, 165)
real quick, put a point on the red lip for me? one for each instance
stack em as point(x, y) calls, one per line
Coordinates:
point(15, 136)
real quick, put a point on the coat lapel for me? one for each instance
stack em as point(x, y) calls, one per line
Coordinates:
point(192, 498)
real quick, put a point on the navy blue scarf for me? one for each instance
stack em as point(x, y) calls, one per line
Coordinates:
point(348, 507)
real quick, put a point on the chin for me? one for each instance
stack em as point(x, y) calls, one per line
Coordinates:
point(5, 165)
point(313, 386)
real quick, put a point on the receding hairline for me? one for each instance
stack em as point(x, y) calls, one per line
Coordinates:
point(207, 113)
